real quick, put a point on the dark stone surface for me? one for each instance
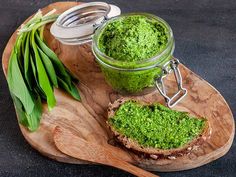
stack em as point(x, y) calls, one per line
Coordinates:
point(205, 33)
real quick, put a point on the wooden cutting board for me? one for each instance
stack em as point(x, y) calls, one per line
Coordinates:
point(87, 118)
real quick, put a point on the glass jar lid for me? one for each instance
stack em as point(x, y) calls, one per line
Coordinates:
point(78, 24)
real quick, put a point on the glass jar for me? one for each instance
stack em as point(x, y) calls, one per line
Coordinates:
point(80, 25)
point(133, 77)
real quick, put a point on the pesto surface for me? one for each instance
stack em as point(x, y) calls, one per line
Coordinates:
point(130, 40)
point(133, 38)
point(156, 125)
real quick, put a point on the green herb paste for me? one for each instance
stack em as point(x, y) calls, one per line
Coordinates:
point(156, 125)
point(131, 40)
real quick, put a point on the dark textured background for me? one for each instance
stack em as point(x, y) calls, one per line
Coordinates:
point(205, 33)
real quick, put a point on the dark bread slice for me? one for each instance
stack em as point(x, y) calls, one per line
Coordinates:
point(134, 145)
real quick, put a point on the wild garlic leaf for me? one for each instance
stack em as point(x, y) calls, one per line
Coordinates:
point(17, 85)
point(20, 111)
point(36, 86)
point(18, 51)
point(49, 67)
point(33, 70)
point(27, 67)
point(42, 76)
point(59, 67)
point(34, 118)
point(73, 91)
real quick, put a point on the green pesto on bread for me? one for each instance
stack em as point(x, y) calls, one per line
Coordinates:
point(154, 128)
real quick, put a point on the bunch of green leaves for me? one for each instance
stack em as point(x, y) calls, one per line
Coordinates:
point(34, 71)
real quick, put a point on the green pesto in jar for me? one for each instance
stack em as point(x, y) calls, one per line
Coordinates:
point(131, 40)
point(156, 125)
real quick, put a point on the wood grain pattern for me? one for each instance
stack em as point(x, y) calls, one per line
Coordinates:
point(77, 147)
point(87, 118)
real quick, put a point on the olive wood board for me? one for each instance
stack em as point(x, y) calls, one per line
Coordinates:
point(87, 118)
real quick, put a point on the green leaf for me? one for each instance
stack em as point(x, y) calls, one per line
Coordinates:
point(33, 72)
point(27, 67)
point(32, 120)
point(49, 67)
point(73, 91)
point(41, 32)
point(28, 109)
point(42, 75)
point(17, 85)
point(37, 87)
point(20, 111)
point(35, 116)
point(18, 51)
point(59, 67)
point(33, 67)
point(23, 42)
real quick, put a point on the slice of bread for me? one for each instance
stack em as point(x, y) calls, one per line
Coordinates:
point(134, 145)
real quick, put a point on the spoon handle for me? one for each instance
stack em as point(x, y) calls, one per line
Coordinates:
point(76, 147)
point(131, 168)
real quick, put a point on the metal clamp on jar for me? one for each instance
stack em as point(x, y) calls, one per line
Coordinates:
point(85, 23)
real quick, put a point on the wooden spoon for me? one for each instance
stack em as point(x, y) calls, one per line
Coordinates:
point(79, 148)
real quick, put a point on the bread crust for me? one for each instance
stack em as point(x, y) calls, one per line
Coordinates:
point(134, 145)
